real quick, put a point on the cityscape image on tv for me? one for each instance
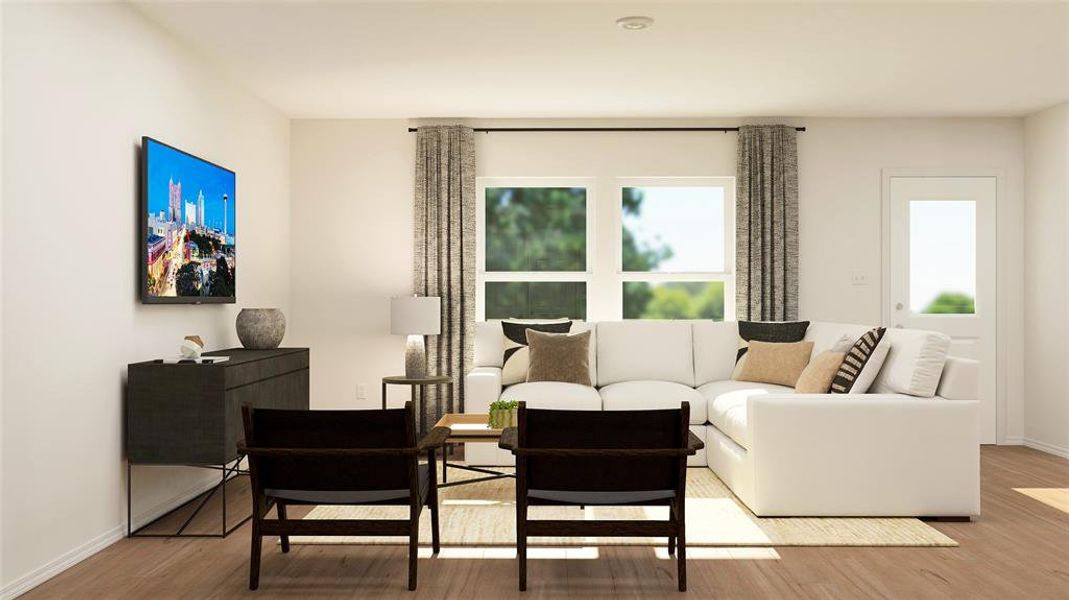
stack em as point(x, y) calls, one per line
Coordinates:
point(190, 227)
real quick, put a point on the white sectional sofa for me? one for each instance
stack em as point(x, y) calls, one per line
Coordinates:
point(909, 448)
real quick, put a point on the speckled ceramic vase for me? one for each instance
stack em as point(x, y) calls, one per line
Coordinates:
point(261, 328)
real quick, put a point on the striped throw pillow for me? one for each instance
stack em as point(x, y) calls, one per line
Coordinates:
point(861, 364)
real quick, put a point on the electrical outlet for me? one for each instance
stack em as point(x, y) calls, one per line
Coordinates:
point(361, 391)
point(859, 278)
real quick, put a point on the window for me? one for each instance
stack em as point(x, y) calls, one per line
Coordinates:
point(676, 247)
point(533, 248)
point(538, 256)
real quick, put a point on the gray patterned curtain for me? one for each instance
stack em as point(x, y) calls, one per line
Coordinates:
point(766, 224)
point(445, 256)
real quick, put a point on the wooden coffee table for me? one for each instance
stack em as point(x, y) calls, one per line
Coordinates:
point(468, 429)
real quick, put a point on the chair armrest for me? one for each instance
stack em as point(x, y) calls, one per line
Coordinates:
point(435, 438)
point(508, 442)
point(694, 443)
point(509, 439)
point(326, 452)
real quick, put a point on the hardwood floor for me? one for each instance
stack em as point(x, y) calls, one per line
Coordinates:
point(1018, 548)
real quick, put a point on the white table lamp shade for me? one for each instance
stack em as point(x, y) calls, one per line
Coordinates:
point(416, 315)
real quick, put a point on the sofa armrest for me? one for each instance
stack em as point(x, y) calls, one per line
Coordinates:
point(960, 379)
point(864, 455)
point(482, 385)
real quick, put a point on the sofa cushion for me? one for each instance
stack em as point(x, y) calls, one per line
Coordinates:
point(715, 349)
point(644, 395)
point(825, 335)
point(645, 350)
point(554, 394)
point(727, 405)
point(914, 362)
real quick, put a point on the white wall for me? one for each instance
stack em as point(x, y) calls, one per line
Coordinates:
point(1046, 269)
point(81, 84)
point(352, 240)
point(359, 172)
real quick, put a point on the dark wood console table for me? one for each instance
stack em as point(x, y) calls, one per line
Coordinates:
point(190, 414)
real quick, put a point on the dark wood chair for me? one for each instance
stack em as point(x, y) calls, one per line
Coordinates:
point(609, 458)
point(339, 457)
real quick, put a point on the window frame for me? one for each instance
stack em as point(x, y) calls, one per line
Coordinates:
point(482, 276)
point(727, 275)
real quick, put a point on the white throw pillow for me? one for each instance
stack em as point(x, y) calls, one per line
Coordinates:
point(914, 362)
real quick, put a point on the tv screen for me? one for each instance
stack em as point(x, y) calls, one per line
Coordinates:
point(188, 222)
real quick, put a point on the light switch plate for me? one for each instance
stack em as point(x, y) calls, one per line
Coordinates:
point(859, 278)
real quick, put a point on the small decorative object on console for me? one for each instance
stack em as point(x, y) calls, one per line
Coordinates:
point(192, 347)
point(261, 328)
point(503, 414)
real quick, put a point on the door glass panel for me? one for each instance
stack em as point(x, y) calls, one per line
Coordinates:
point(942, 256)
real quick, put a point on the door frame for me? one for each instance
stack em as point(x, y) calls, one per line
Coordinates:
point(1000, 294)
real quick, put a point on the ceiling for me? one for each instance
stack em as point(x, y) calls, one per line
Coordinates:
point(701, 59)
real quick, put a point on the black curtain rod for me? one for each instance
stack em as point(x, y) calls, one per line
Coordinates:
point(548, 129)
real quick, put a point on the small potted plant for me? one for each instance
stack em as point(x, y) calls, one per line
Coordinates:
point(503, 413)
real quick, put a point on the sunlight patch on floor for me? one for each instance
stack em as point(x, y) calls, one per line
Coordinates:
point(1054, 497)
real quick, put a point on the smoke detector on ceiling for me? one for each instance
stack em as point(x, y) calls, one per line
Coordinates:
point(636, 23)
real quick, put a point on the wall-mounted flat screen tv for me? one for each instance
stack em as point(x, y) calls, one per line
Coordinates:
point(188, 250)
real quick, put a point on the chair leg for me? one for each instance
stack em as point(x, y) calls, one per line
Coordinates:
point(681, 561)
point(672, 538)
point(436, 544)
point(254, 558)
point(521, 545)
point(521, 556)
point(285, 538)
point(413, 551)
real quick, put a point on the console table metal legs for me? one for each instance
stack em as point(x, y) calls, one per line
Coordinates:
point(228, 471)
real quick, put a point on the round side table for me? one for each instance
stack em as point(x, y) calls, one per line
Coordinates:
point(418, 385)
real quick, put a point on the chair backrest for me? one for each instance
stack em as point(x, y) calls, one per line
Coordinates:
point(322, 429)
point(630, 429)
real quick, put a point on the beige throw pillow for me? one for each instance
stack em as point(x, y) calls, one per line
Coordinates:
point(769, 362)
point(559, 357)
point(816, 377)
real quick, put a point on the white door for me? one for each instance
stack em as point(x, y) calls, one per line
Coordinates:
point(942, 269)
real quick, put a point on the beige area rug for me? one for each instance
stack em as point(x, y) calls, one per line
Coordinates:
point(484, 514)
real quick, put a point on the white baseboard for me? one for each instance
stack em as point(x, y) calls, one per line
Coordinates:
point(1015, 440)
point(65, 561)
point(76, 555)
point(1045, 447)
